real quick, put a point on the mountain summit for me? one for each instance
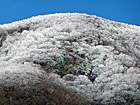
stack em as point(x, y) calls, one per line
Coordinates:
point(69, 59)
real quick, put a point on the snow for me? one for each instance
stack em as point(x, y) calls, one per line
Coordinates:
point(46, 38)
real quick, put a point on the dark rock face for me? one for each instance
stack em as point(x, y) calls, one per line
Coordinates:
point(69, 59)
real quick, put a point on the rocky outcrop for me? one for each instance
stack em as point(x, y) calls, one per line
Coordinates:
point(73, 59)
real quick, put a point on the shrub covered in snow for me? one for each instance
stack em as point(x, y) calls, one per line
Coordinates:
point(106, 52)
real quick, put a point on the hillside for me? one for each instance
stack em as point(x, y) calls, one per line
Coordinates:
point(69, 59)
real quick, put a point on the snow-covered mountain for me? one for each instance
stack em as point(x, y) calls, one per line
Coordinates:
point(40, 58)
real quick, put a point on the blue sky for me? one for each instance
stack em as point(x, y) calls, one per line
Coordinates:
point(127, 11)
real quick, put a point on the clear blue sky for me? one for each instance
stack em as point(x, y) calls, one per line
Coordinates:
point(127, 11)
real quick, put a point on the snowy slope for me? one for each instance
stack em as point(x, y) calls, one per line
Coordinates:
point(31, 48)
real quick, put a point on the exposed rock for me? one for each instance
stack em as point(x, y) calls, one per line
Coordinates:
point(40, 57)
